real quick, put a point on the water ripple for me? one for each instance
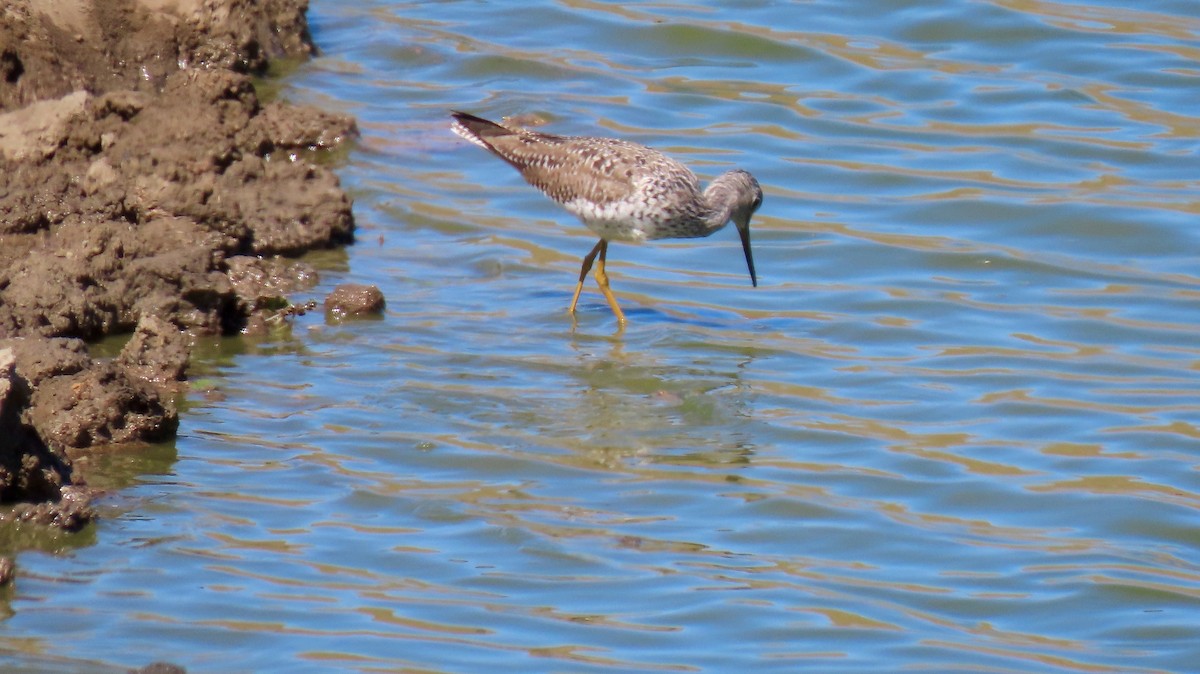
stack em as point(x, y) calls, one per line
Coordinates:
point(954, 429)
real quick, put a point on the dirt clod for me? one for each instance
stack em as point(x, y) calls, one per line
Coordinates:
point(354, 300)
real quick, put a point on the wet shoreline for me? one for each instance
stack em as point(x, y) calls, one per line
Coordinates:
point(147, 190)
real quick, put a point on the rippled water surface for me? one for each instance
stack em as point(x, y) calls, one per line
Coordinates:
point(955, 428)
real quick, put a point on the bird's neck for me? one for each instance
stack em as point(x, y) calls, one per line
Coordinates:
point(720, 199)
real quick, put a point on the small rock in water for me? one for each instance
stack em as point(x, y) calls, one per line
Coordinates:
point(354, 300)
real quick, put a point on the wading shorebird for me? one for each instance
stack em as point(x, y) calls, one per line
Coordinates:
point(622, 191)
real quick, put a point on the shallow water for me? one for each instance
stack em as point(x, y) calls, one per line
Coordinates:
point(956, 428)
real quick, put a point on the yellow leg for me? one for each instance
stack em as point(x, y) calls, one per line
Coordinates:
point(602, 281)
point(583, 272)
point(601, 249)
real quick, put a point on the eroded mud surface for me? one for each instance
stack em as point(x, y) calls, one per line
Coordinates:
point(144, 188)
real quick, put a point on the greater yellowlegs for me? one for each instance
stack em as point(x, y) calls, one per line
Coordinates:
point(622, 191)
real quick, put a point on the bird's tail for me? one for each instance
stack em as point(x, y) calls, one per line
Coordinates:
point(476, 129)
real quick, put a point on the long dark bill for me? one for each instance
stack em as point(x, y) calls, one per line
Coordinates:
point(744, 232)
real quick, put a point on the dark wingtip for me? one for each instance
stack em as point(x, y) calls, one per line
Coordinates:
point(478, 125)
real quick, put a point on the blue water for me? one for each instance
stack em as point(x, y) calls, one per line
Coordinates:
point(955, 428)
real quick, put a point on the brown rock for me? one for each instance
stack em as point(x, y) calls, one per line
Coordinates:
point(265, 282)
point(74, 401)
point(101, 405)
point(29, 471)
point(142, 199)
point(71, 511)
point(351, 300)
point(143, 174)
point(157, 354)
point(48, 49)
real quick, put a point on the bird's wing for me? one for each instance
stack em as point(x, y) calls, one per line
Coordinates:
point(599, 170)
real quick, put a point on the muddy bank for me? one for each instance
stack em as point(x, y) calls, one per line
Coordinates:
point(143, 186)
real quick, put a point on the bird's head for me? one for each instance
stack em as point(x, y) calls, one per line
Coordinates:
point(747, 198)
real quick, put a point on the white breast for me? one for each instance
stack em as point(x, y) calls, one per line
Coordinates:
point(614, 221)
